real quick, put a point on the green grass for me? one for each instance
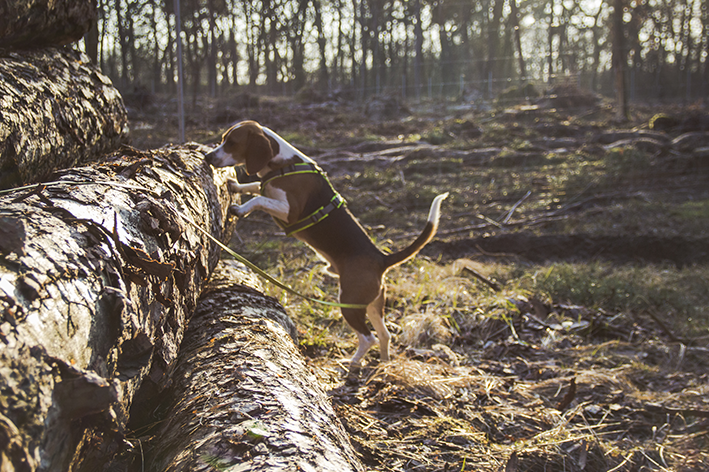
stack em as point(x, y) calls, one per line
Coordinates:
point(442, 301)
point(680, 296)
point(692, 210)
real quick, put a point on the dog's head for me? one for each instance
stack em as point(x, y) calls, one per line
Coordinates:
point(245, 143)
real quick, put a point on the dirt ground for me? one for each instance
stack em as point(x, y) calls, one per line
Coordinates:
point(551, 385)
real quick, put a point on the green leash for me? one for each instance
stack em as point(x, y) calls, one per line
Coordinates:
point(232, 253)
point(262, 273)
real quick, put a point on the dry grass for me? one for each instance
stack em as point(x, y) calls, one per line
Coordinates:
point(481, 379)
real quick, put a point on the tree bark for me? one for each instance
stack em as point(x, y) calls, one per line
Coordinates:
point(42, 23)
point(57, 110)
point(98, 274)
point(243, 396)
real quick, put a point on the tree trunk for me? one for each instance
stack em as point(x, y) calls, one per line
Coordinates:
point(98, 274)
point(518, 41)
point(323, 75)
point(212, 45)
point(364, 44)
point(91, 41)
point(493, 42)
point(418, 49)
point(42, 23)
point(619, 62)
point(550, 42)
point(243, 395)
point(57, 110)
point(123, 41)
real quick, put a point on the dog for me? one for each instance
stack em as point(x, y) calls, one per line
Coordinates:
point(298, 195)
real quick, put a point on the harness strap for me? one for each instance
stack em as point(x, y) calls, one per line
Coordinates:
point(318, 215)
point(297, 168)
point(315, 217)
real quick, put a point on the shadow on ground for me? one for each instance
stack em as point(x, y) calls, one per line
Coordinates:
point(576, 248)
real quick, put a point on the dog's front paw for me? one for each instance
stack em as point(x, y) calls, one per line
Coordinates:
point(233, 186)
point(237, 210)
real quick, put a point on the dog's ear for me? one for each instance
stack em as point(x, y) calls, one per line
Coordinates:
point(258, 152)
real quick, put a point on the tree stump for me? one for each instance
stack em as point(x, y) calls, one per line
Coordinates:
point(98, 275)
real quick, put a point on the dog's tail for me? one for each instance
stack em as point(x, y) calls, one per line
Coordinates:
point(391, 260)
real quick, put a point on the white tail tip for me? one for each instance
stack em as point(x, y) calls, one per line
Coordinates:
point(435, 211)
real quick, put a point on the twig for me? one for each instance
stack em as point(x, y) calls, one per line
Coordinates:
point(492, 254)
point(620, 466)
point(655, 408)
point(489, 220)
point(493, 285)
point(664, 328)
point(538, 321)
point(514, 207)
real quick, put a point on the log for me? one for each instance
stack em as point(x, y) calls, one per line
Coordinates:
point(243, 397)
point(99, 272)
point(57, 110)
point(41, 23)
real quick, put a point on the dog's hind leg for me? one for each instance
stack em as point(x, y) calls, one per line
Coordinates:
point(366, 341)
point(375, 313)
point(356, 318)
point(358, 290)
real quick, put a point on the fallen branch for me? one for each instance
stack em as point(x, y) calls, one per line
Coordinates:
point(520, 223)
point(657, 408)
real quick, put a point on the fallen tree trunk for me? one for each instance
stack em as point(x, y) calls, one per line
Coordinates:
point(243, 397)
point(41, 23)
point(98, 275)
point(57, 110)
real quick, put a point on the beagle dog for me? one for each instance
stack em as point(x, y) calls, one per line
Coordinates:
point(298, 195)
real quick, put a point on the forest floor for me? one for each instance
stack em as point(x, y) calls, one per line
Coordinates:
point(559, 320)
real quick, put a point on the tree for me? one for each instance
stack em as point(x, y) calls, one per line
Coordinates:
point(323, 75)
point(418, 48)
point(518, 40)
point(619, 61)
point(493, 40)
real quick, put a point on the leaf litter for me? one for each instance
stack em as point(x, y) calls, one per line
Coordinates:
point(562, 395)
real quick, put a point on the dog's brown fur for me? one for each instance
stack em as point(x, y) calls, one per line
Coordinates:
point(339, 238)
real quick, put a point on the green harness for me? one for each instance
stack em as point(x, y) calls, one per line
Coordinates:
point(335, 202)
